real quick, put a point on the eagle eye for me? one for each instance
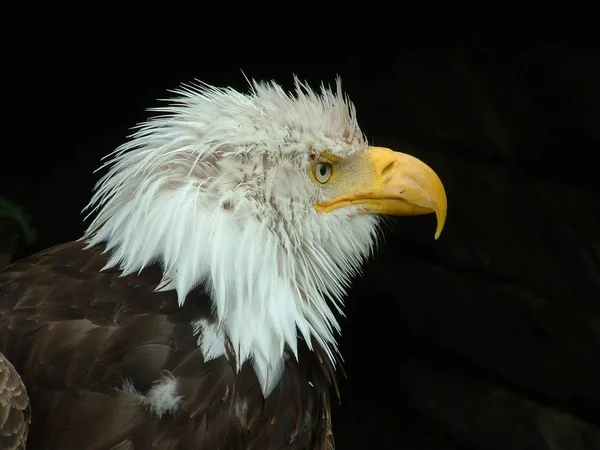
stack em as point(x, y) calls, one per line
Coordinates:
point(322, 172)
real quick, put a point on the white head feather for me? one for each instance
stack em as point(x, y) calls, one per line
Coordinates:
point(217, 191)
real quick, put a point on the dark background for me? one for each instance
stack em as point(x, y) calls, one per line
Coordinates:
point(486, 339)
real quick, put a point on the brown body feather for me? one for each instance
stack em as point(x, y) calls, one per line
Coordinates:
point(14, 408)
point(89, 346)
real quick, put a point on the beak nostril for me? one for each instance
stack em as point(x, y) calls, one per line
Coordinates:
point(387, 171)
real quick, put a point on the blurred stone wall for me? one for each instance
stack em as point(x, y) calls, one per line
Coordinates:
point(9, 238)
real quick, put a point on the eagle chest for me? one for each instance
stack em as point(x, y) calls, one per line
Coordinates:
point(124, 366)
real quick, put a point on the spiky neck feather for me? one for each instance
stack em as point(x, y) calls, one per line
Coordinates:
point(219, 197)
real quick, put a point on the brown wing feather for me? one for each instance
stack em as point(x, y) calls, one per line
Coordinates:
point(78, 336)
point(14, 408)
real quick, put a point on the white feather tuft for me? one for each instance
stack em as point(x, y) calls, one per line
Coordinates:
point(163, 397)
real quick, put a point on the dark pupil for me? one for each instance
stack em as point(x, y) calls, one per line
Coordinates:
point(323, 170)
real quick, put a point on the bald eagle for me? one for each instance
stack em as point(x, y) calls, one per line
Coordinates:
point(199, 310)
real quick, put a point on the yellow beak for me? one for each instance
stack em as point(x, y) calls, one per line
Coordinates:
point(395, 184)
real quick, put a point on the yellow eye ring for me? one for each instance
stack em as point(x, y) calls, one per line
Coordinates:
point(322, 172)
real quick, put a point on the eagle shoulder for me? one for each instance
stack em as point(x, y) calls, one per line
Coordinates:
point(110, 363)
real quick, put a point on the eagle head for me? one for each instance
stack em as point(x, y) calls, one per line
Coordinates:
point(270, 200)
